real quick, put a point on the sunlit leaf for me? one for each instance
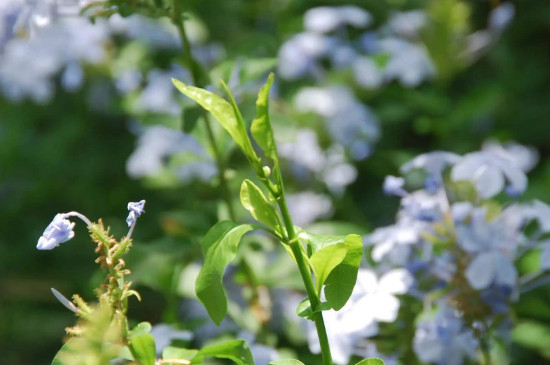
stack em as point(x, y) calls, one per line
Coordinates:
point(286, 362)
point(219, 247)
point(235, 350)
point(371, 361)
point(261, 126)
point(256, 203)
point(325, 260)
point(143, 349)
point(341, 281)
point(225, 113)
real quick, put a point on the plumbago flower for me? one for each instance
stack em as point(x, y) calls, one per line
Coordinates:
point(102, 331)
point(458, 239)
point(373, 300)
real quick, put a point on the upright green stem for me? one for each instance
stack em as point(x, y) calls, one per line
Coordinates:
point(305, 272)
point(195, 77)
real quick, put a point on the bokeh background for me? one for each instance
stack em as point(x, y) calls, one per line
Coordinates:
point(88, 114)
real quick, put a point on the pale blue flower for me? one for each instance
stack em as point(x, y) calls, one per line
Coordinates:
point(58, 231)
point(493, 245)
point(326, 19)
point(367, 73)
point(393, 185)
point(407, 24)
point(164, 334)
point(409, 63)
point(298, 57)
point(393, 243)
point(501, 16)
point(433, 162)
point(540, 212)
point(489, 172)
point(523, 157)
point(158, 144)
point(444, 339)
point(135, 210)
point(307, 207)
point(350, 123)
point(373, 300)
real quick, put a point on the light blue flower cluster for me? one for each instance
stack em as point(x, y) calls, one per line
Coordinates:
point(452, 232)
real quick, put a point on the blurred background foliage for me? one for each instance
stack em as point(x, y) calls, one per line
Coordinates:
point(70, 151)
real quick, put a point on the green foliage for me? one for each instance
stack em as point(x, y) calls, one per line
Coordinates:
point(342, 274)
point(286, 362)
point(304, 309)
point(371, 361)
point(254, 200)
point(143, 349)
point(225, 114)
point(261, 126)
point(235, 350)
point(219, 247)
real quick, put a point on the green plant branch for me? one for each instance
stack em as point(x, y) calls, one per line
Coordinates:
point(191, 64)
point(305, 272)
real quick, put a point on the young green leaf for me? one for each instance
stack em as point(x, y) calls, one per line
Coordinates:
point(178, 353)
point(341, 281)
point(219, 247)
point(286, 362)
point(261, 126)
point(143, 349)
point(304, 309)
point(235, 350)
point(141, 328)
point(256, 203)
point(226, 114)
point(57, 360)
point(371, 361)
point(325, 260)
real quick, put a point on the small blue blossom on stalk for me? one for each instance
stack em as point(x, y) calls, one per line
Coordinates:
point(135, 209)
point(59, 230)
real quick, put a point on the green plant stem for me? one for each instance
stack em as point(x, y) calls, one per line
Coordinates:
point(195, 78)
point(305, 272)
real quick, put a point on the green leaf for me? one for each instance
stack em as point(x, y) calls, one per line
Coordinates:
point(225, 113)
point(236, 350)
point(219, 247)
point(247, 147)
point(261, 126)
point(256, 203)
point(65, 348)
point(304, 309)
point(325, 260)
point(341, 281)
point(286, 362)
point(178, 353)
point(143, 349)
point(141, 328)
point(371, 361)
